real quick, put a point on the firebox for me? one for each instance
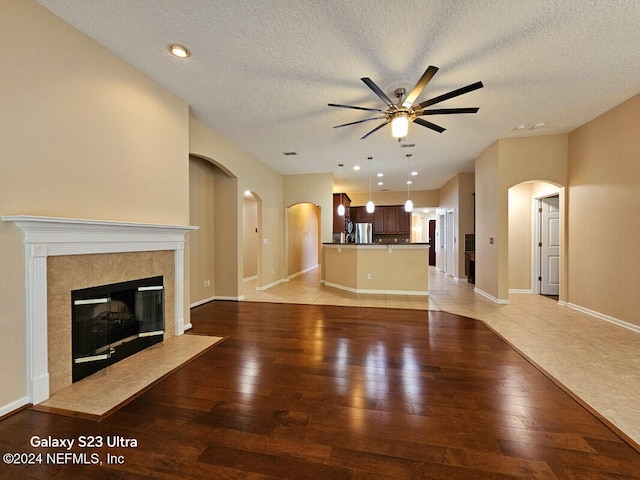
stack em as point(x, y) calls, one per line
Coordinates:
point(112, 322)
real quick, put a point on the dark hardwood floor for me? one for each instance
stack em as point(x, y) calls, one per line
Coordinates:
point(326, 392)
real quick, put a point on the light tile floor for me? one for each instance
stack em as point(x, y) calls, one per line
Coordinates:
point(597, 362)
point(100, 393)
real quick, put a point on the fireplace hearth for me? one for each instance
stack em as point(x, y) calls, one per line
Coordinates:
point(112, 322)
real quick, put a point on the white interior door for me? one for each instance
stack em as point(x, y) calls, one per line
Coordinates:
point(550, 246)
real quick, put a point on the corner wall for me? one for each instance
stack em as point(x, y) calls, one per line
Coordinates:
point(604, 200)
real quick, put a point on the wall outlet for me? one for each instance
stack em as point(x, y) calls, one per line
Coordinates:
point(207, 283)
point(273, 271)
point(265, 241)
point(368, 276)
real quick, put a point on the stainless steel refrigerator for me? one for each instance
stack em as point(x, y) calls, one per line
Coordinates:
point(364, 232)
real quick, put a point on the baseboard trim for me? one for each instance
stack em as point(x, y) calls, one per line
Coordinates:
point(232, 299)
point(272, 284)
point(520, 290)
point(491, 297)
point(248, 279)
point(188, 326)
point(14, 406)
point(605, 317)
point(301, 272)
point(378, 292)
point(202, 302)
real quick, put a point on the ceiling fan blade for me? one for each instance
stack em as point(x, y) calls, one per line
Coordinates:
point(359, 121)
point(430, 125)
point(357, 108)
point(377, 91)
point(376, 129)
point(419, 87)
point(454, 93)
point(449, 111)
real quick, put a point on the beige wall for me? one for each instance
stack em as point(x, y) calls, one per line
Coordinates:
point(504, 164)
point(250, 237)
point(201, 213)
point(79, 127)
point(303, 237)
point(604, 200)
point(520, 237)
point(420, 198)
point(253, 175)
point(488, 263)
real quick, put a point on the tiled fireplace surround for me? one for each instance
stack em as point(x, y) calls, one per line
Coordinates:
point(64, 254)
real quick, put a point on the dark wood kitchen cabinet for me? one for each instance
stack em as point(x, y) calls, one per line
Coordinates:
point(404, 221)
point(391, 220)
point(385, 219)
point(339, 220)
point(378, 221)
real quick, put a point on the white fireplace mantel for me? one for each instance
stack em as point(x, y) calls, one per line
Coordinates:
point(54, 236)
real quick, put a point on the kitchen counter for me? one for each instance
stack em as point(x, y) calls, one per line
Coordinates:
point(374, 244)
point(382, 268)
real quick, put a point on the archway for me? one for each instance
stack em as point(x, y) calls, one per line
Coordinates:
point(303, 244)
point(528, 238)
point(251, 237)
point(213, 249)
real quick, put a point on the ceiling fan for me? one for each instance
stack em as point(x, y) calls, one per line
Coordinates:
point(405, 111)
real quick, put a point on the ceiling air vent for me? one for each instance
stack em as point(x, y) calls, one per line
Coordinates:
point(407, 145)
point(288, 154)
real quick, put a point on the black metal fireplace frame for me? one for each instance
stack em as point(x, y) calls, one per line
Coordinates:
point(114, 333)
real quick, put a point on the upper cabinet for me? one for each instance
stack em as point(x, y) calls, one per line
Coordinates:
point(385, 219)
point(339, 224)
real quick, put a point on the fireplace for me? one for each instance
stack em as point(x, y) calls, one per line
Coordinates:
point(112, 322)
point(87, 246)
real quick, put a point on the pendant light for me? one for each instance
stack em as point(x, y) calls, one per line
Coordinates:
point(341, 206)
point(408, 205)
point(370, 205)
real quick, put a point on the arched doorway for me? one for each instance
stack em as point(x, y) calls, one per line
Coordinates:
point(303, 238)
point(213, 249)
point(251, 235)
point(535, 237)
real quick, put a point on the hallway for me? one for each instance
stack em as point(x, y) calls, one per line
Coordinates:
point(597, 362)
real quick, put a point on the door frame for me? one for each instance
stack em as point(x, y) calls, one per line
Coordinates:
point(536, 231)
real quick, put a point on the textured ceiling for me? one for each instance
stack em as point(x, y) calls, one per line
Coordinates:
point(262, 72)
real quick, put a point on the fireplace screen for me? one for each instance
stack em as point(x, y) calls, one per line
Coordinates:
point(112, 322)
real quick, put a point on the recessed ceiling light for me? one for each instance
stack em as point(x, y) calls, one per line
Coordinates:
point(413, 174)
point(521, 126)
point(356, 167)
point(381, 175)
point(179, 50)
point(380, 183)
point(539, 125)
point(409, 182)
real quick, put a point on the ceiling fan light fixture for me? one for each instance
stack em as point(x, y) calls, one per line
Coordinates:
point(400, 125)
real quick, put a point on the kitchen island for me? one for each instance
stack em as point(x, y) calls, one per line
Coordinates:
point(395, 268)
